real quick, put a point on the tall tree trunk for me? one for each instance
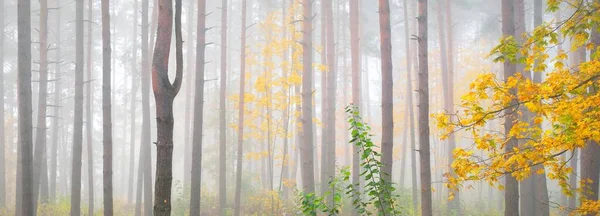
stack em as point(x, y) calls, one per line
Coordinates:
point(240, 146)
point(41, 190)
point(387, 99)
point(187, 154)
point(450, 96)
point(25, 201)
point(56, 107)
point(78, 112)
point(324, 135)
point(306, 151)
point(511, 193)
point(132, 111)
point(164, 93)
point(196, 178)
point(426, 206)
point(410, 107)
point(89, 113)
point(106, 111)
point(222, 110)
point(328, 168)
point(356, 87)
point(2, 135)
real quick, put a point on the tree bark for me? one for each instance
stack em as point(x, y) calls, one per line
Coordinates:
point(106, 111)
point(164, 93)
point(240, 146)
point(39, 158)
point(26, 202)
point(132, 111)
point(187, 154)
point(196, 178)
point(387, 99)
point(324, 94)
point(426, 206)
point(222, 110)
point(328, 168)
point(78, 112)
point(56, 120)
point(306, 151)
point(511, 193)
point(2, 134)
point(89, 113)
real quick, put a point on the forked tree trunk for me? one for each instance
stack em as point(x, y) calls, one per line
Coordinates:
point(511, 193)
point(106, 111)
point(25, 201)
point(240, 146)
point(306, 151)
point(78, 113)
point(196, 178)
point(164, 93)
point(425, 163)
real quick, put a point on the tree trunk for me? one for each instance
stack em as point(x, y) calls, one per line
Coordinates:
point(132, 111)
point(196, 178)
point(2, 135)
point(164, 93)
point(25, 201)
point(306, 151)
point(240, 146)
point(89, 113)
point(106, 111)
point(426, 206)
point(78, 112)
point(187, 154)
point(222, 110)
point(356, 86)
point(40, 187)
point(56, 120)
point(511, 193)
point(387, 99)
point(328, 168)
point(324, 94)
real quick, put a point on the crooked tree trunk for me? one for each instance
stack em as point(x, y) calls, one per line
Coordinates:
point(240, 144)
point(164, 93)
point(222, 110)
point(25, 201)
point(306, 151)
point(78, 112)
point(196, 178)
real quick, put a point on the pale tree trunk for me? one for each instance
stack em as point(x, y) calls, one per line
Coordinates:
point(187, 154)
point(324, 94)
point(196, 169)
point(511, 192)
point(328, 168)
point(222, 109)
point(78, 112)
point(164, 93)
point(39, 158)
point(89, 113)
point(286, 72)
point(56, 107)
point(387, 100)
point(106, 111)
point(306, 150)
point(356, 86)
point(132, 111)
point(2, 135)
point(25, 177)
point(426, 206)
point(240, 146)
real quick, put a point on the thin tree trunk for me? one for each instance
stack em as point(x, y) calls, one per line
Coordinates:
point(78, 112)
point(89, 113)
point(2, 134)
point(132, 111)
point(324, 94)
point(328, 168)
point(56, 120)
point(240, 146)
point(187, 154)
point(164, 93)
point(426, 206)
point(222, 110)
point(106, 111)
point(25, 201)
point(356, 87)
point(511, 193)
point(196, 178)
point(41, 188)
point(306, 151)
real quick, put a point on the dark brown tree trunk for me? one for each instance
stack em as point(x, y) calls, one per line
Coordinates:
point(164, 93)
point(426, 206)
point(196, 178)
point(2, 135)
point(25, 201)
point(89, 113)
point(411, 115)
point(387, 99)
point(106, 111)
point(40, 187)
point(222, 110)
point(356, 86)
point(78, 112)
point(511, 193)
point(240, 146)
point(132, 111)
point(56, 107)
point(306, 149)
